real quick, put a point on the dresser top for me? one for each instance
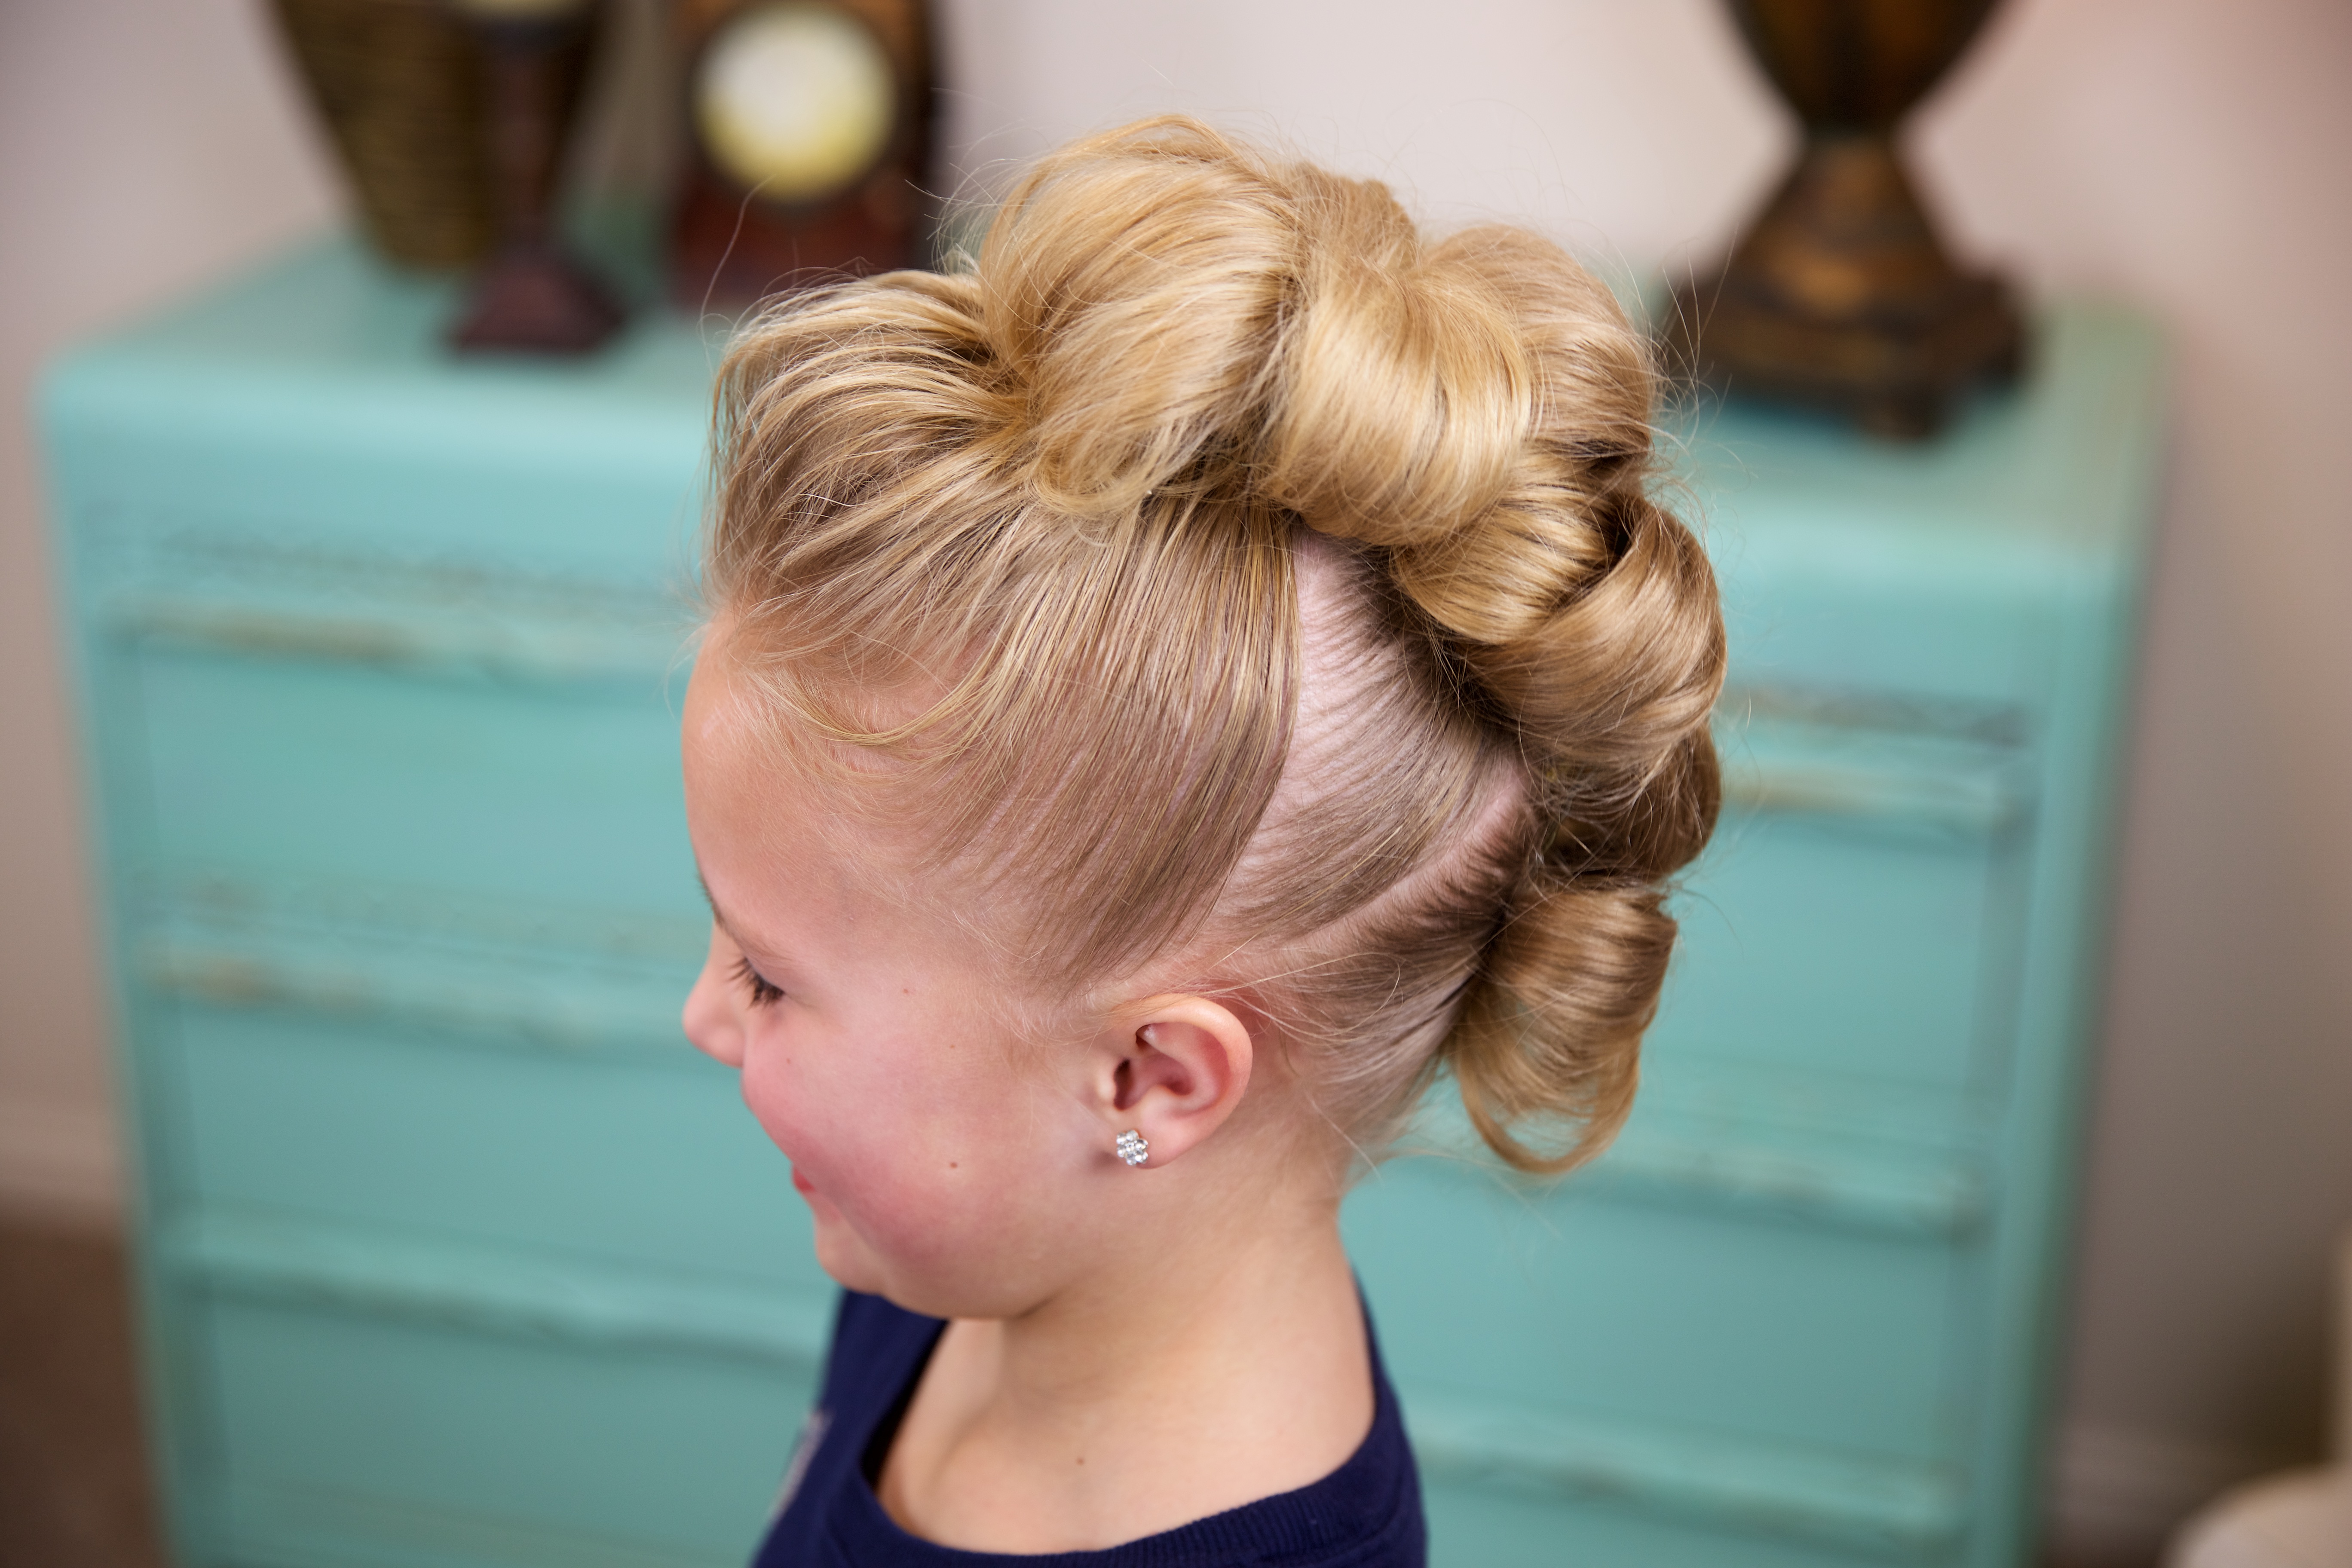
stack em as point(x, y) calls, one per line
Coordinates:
point(328, 349)
point(2059, 470)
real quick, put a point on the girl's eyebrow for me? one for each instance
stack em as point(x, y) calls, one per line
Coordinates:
point(767, 954)
point(715, 912)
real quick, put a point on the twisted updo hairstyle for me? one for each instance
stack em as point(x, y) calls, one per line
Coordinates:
point(1246, 591)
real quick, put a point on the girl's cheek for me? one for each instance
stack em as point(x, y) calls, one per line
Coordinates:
point(849, 1153)
point(768, 1093)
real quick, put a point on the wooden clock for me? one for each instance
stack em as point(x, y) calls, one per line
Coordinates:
point(809, 123)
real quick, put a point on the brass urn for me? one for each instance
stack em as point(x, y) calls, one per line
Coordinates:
point(1838, 293)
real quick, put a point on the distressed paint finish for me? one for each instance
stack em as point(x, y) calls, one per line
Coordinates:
point(454, 1253)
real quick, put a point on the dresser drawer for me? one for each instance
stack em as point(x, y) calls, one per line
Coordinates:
point(347, 1435)
point(562, 794)
point(1675, 1317)
point(1682, 1359)
point(378, 1126)
point(1859, 910)
point(1817, 946)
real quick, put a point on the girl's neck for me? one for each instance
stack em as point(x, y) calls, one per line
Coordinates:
point(1195, 1379)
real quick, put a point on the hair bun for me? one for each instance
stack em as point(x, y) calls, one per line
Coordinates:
point(1118, 404)
point(1404, 398)
point(1327, 361)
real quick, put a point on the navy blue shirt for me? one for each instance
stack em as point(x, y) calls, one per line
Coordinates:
point(1365, 1514)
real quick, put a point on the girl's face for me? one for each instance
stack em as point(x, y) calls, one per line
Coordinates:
point(945, 1163)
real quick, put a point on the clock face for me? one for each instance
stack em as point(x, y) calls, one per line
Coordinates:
point(794, 100)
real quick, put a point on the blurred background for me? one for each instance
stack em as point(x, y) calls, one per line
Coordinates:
point(2186, 156)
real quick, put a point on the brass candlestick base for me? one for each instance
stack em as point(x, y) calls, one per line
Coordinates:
point(1839, 294)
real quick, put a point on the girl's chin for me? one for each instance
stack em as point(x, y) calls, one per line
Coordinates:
point(845, 1258)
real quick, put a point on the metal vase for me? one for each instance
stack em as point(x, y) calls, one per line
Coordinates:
point(1839, 293)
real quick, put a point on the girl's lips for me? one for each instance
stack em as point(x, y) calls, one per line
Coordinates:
point(800, 1183)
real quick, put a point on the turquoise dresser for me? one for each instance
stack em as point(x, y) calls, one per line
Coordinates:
point(454, 1253)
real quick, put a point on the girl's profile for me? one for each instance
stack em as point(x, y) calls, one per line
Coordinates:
point(1176, 688)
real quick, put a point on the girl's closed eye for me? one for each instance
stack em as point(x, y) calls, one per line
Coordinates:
point(763, 990)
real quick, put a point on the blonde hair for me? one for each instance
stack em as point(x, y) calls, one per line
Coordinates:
point(1269, 589)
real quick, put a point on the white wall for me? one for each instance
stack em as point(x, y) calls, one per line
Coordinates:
point(144, 145)
point(2188, 155)
point(2193, 156)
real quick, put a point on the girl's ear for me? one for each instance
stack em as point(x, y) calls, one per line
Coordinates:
point(1171, 1074)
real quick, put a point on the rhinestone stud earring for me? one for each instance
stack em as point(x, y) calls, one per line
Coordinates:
point(1133, 1147)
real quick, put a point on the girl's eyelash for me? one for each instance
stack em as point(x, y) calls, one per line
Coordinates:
point(763, 990)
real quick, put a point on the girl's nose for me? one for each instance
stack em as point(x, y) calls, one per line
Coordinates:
point(710, 1016)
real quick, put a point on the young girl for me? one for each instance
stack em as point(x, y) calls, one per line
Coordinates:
point(1172, 691)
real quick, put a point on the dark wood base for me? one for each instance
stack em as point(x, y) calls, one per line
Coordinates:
point(534, 300)
point(1897, 378)
point(1840, 295)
